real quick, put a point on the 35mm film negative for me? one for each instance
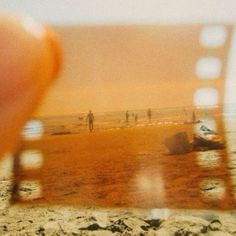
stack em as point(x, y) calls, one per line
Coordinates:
point(99, 138)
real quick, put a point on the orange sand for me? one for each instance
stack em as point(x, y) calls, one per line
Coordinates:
point(123, 168)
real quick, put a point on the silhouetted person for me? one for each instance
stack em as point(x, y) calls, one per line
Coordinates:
point(90, 119)
point(127, 117)
point(136, 118)
point(149, 115)
point(193, 117)
point(185, 112)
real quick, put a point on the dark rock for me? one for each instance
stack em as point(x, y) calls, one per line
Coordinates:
point(92, 227)
point(204, 229)
point(144, 227)
point(204, 143)
point(183, 232)
point(3, 228)
point(114, 229)
point(178, 143)
point(40, 231)
point(215, 225)
point(118, 226)
point(154, 222)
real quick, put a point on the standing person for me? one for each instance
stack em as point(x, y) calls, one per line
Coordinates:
point(90, 119)
point(193, 117)
point(149, 114)
point(127, 117)
point(136, 118)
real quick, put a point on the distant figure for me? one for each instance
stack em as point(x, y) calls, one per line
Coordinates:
point(90, 119)
point(136, 118)
point(149, 114)
point(185, 112)
point(193, 117)
point(127, 117)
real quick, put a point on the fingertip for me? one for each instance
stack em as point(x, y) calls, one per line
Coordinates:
point(30, 58)
point(56, 50)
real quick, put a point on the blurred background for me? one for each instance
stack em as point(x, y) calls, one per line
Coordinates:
point(104, 50)
point(129, 11)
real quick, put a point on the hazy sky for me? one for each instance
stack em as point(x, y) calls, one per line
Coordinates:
point(109, 68)
point(125, 11)
point(117, 68)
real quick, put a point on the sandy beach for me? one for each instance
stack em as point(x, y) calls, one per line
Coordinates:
point(128, 167)
point(95, 161)
point(118, 182)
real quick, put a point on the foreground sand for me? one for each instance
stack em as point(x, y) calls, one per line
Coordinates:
point(110, 180)
point(58, 220)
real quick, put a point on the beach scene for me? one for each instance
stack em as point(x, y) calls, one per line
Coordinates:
point(137, 137)
point(140, 119)
point(129, 163)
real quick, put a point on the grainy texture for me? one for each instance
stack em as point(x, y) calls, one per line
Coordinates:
point(32, 219)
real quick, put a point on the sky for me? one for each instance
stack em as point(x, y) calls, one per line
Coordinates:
point(129, 67)
point(111, 64)
point(124, 11)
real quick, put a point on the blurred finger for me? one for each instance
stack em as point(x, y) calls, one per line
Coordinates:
point(29, 60)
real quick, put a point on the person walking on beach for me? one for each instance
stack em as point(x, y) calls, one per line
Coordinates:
point(90, 119)
point(193, 117)
point(136, 118)
point(127, 117)
point(149, 114)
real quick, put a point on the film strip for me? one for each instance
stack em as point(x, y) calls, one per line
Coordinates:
point(46, 173)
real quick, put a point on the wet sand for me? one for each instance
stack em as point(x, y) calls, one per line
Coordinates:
point(126, 167)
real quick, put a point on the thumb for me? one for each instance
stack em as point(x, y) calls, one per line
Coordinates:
point(29, 60)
